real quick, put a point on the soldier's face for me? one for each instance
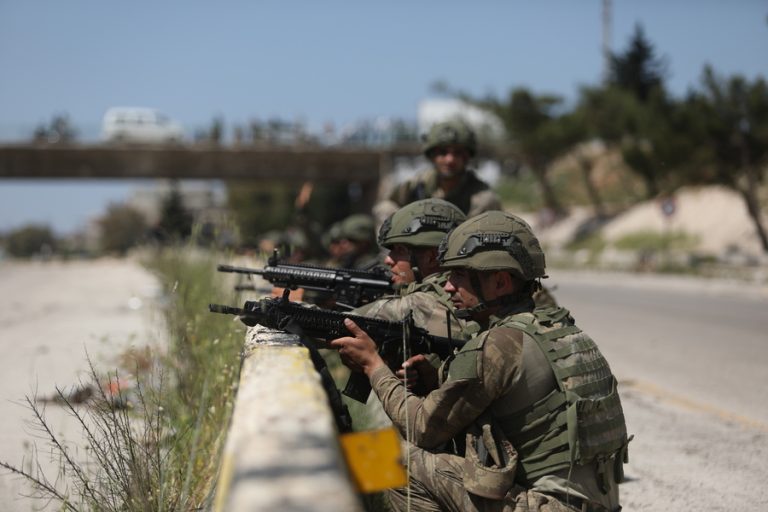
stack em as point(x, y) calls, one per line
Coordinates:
point(459, 286)
point(494, 284)
point(399, 262)
point(450, 161)
point(343, 247)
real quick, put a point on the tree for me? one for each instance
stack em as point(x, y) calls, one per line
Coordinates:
point(633, 113)
point(58, 131)
point(260, 207)
point(729, 118)
point(216, 131)
point(638, 70)
point(533, 127)
point(175, 220)
point(30, 240)
point(122, 227)
point(579, 127)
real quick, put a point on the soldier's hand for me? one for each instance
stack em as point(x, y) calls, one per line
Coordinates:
point(419, 374)
point(358, 352)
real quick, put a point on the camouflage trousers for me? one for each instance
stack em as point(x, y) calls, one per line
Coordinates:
point(436, 484)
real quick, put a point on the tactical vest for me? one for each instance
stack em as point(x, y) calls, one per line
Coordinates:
point(581, 421)
point(426, 185)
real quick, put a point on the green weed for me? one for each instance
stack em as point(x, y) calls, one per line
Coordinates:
point(656, 241)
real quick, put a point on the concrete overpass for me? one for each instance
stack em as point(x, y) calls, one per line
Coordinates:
point(33, 161)
point(369, 167)
point(366, 167)
point(29, 161)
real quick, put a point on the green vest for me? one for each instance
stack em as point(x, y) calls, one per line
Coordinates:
point(426, 185)
point(579, 422)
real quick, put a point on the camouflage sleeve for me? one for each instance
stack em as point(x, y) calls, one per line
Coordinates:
point(386, 308)
point(420, 186)
point(483, 201)
point(428, 313)
point(479, 374)
point(400, 193)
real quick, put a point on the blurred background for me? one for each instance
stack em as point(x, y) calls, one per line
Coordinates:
point(588, 109)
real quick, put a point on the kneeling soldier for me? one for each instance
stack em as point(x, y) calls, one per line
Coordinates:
point(526, 416)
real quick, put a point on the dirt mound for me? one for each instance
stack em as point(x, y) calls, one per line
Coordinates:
point(714, 218)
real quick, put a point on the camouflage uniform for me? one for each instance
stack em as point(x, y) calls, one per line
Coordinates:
point(420, 224)
point(428, 302)
point(431, 309)
point(527, 416)
point(471, 195)
point(508, 373)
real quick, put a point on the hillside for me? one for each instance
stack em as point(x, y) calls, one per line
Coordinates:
point(708, 224)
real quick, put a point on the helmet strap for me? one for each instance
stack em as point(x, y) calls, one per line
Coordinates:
point(482, 304)
point(418, 275)
point(523, 298)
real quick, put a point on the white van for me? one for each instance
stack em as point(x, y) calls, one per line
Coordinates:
point(140, 124)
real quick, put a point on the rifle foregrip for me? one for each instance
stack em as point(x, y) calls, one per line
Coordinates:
point(358, 387)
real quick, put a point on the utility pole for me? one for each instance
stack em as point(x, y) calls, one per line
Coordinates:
point(607, 25)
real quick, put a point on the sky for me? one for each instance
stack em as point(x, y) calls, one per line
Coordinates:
point(320, 62)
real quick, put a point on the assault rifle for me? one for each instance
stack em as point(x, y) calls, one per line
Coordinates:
point(350, 288)
point(323, 324)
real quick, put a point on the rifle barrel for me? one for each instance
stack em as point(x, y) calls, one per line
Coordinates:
point(227, 310)
point(239, 270)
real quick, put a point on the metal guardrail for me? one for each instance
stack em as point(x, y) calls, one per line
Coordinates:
point(282, 450)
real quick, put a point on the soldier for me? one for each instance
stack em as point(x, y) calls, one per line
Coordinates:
point(352, 242)
point(412, 235)
point(531, 396)
point(449, 146)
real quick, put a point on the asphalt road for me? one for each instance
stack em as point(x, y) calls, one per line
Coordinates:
point(692, 360)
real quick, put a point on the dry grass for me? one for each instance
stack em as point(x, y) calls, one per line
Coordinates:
point(154, 446)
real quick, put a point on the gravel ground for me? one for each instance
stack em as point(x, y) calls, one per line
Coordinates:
point(51, 314)
point(683, 459)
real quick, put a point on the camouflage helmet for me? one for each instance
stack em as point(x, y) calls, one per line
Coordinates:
point(494, 240)
point(358, 227)
point(455, 132)
point(422, 223)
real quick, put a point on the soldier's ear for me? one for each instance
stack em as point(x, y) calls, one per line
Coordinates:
point(432, 252)
point(504, 283)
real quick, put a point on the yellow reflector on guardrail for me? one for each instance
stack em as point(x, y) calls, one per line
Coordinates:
point(373, 459)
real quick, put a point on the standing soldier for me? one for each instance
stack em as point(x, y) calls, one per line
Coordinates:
point(449, 146)
point(530, 398)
